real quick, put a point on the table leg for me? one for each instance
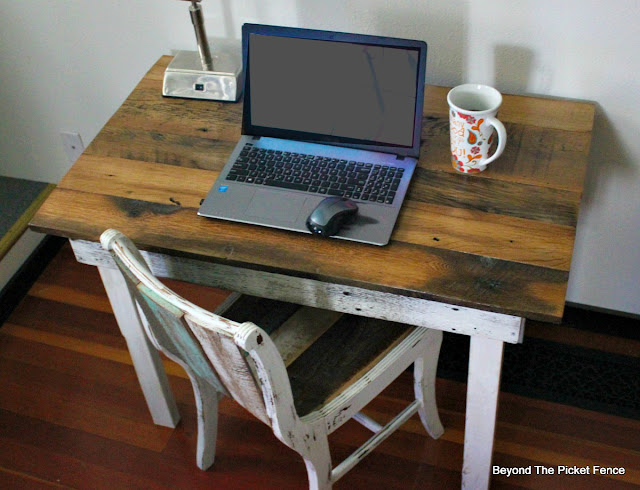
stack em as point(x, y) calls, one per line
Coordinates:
point(483, 386)
point(146, 359)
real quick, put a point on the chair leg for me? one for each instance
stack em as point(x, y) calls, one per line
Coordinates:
point(207, 406)
point(424, 374)
point(318, 462)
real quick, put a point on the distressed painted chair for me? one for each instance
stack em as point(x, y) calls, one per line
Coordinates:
point(304, 379)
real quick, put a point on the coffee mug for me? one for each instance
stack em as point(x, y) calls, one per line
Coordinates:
point(473, 125)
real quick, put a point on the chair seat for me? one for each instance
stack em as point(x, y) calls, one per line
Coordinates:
point(268, 314)
point(338, 358)
point(335, 360)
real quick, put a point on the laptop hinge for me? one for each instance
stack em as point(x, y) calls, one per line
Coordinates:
point(399, 157)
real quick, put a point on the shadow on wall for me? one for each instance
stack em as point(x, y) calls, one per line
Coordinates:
point(609, 157)
point(607, 234)
point(442, 25)
point(513, 68)
point(515, 72)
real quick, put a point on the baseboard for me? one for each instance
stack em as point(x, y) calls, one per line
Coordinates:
point(600, 320)
point(13, 259)
point(606, 311)
point(18, 286)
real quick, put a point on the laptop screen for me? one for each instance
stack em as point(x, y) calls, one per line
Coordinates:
point(343, 89)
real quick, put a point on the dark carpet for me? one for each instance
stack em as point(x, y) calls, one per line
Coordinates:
point(561, 373)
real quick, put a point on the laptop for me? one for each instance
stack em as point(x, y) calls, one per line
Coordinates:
point(325, 114)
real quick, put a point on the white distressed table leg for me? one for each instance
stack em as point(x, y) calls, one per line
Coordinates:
point(146, 359)
point(483, 387)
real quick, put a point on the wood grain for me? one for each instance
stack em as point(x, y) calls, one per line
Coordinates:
point(486, 234)
point(402, 268)
point(542, 157)
point(301, 330)
point(431, 219)
point(544, 112)
point(500, 241)
point(318, 294)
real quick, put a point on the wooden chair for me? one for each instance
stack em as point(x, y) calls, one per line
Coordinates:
point(303, 382)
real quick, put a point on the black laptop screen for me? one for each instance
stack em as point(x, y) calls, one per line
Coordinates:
point(351, 91)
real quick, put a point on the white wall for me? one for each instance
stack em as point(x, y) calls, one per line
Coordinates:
point(69, 64)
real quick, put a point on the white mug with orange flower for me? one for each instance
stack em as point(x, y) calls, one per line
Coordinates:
point(473, 126)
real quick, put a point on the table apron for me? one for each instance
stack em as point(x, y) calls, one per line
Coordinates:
point(319, 294)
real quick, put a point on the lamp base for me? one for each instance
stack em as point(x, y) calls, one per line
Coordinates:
point(185, 77)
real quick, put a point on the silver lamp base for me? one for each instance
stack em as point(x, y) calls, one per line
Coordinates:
point(185, 77)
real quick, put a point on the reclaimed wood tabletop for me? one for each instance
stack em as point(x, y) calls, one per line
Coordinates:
point(500, 241)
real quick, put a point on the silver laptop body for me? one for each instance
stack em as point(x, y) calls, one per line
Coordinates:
point(325, 114)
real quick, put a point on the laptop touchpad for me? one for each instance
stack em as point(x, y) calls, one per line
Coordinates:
point(275, 205)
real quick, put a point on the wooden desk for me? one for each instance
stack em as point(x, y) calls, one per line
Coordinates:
point(474, 255)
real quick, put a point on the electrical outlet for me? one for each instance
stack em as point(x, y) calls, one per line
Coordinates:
point(72, 144)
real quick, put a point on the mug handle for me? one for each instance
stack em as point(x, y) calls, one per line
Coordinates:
point(502, 139)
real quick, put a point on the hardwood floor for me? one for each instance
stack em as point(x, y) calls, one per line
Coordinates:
point(72, 415)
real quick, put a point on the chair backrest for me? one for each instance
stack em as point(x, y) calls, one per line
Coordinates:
point(203, 343)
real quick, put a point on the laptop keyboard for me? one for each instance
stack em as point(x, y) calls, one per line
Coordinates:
point(316, 174)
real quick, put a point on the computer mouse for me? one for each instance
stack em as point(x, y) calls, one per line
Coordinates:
point(330, 215)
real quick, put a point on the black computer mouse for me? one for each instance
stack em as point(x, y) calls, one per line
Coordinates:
point(330, 215)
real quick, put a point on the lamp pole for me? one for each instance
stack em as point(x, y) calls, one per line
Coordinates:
point(195, 10)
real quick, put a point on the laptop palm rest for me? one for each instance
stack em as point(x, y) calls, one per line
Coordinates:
point(270, 205)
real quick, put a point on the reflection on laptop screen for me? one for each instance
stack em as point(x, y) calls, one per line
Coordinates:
point(337, 89)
